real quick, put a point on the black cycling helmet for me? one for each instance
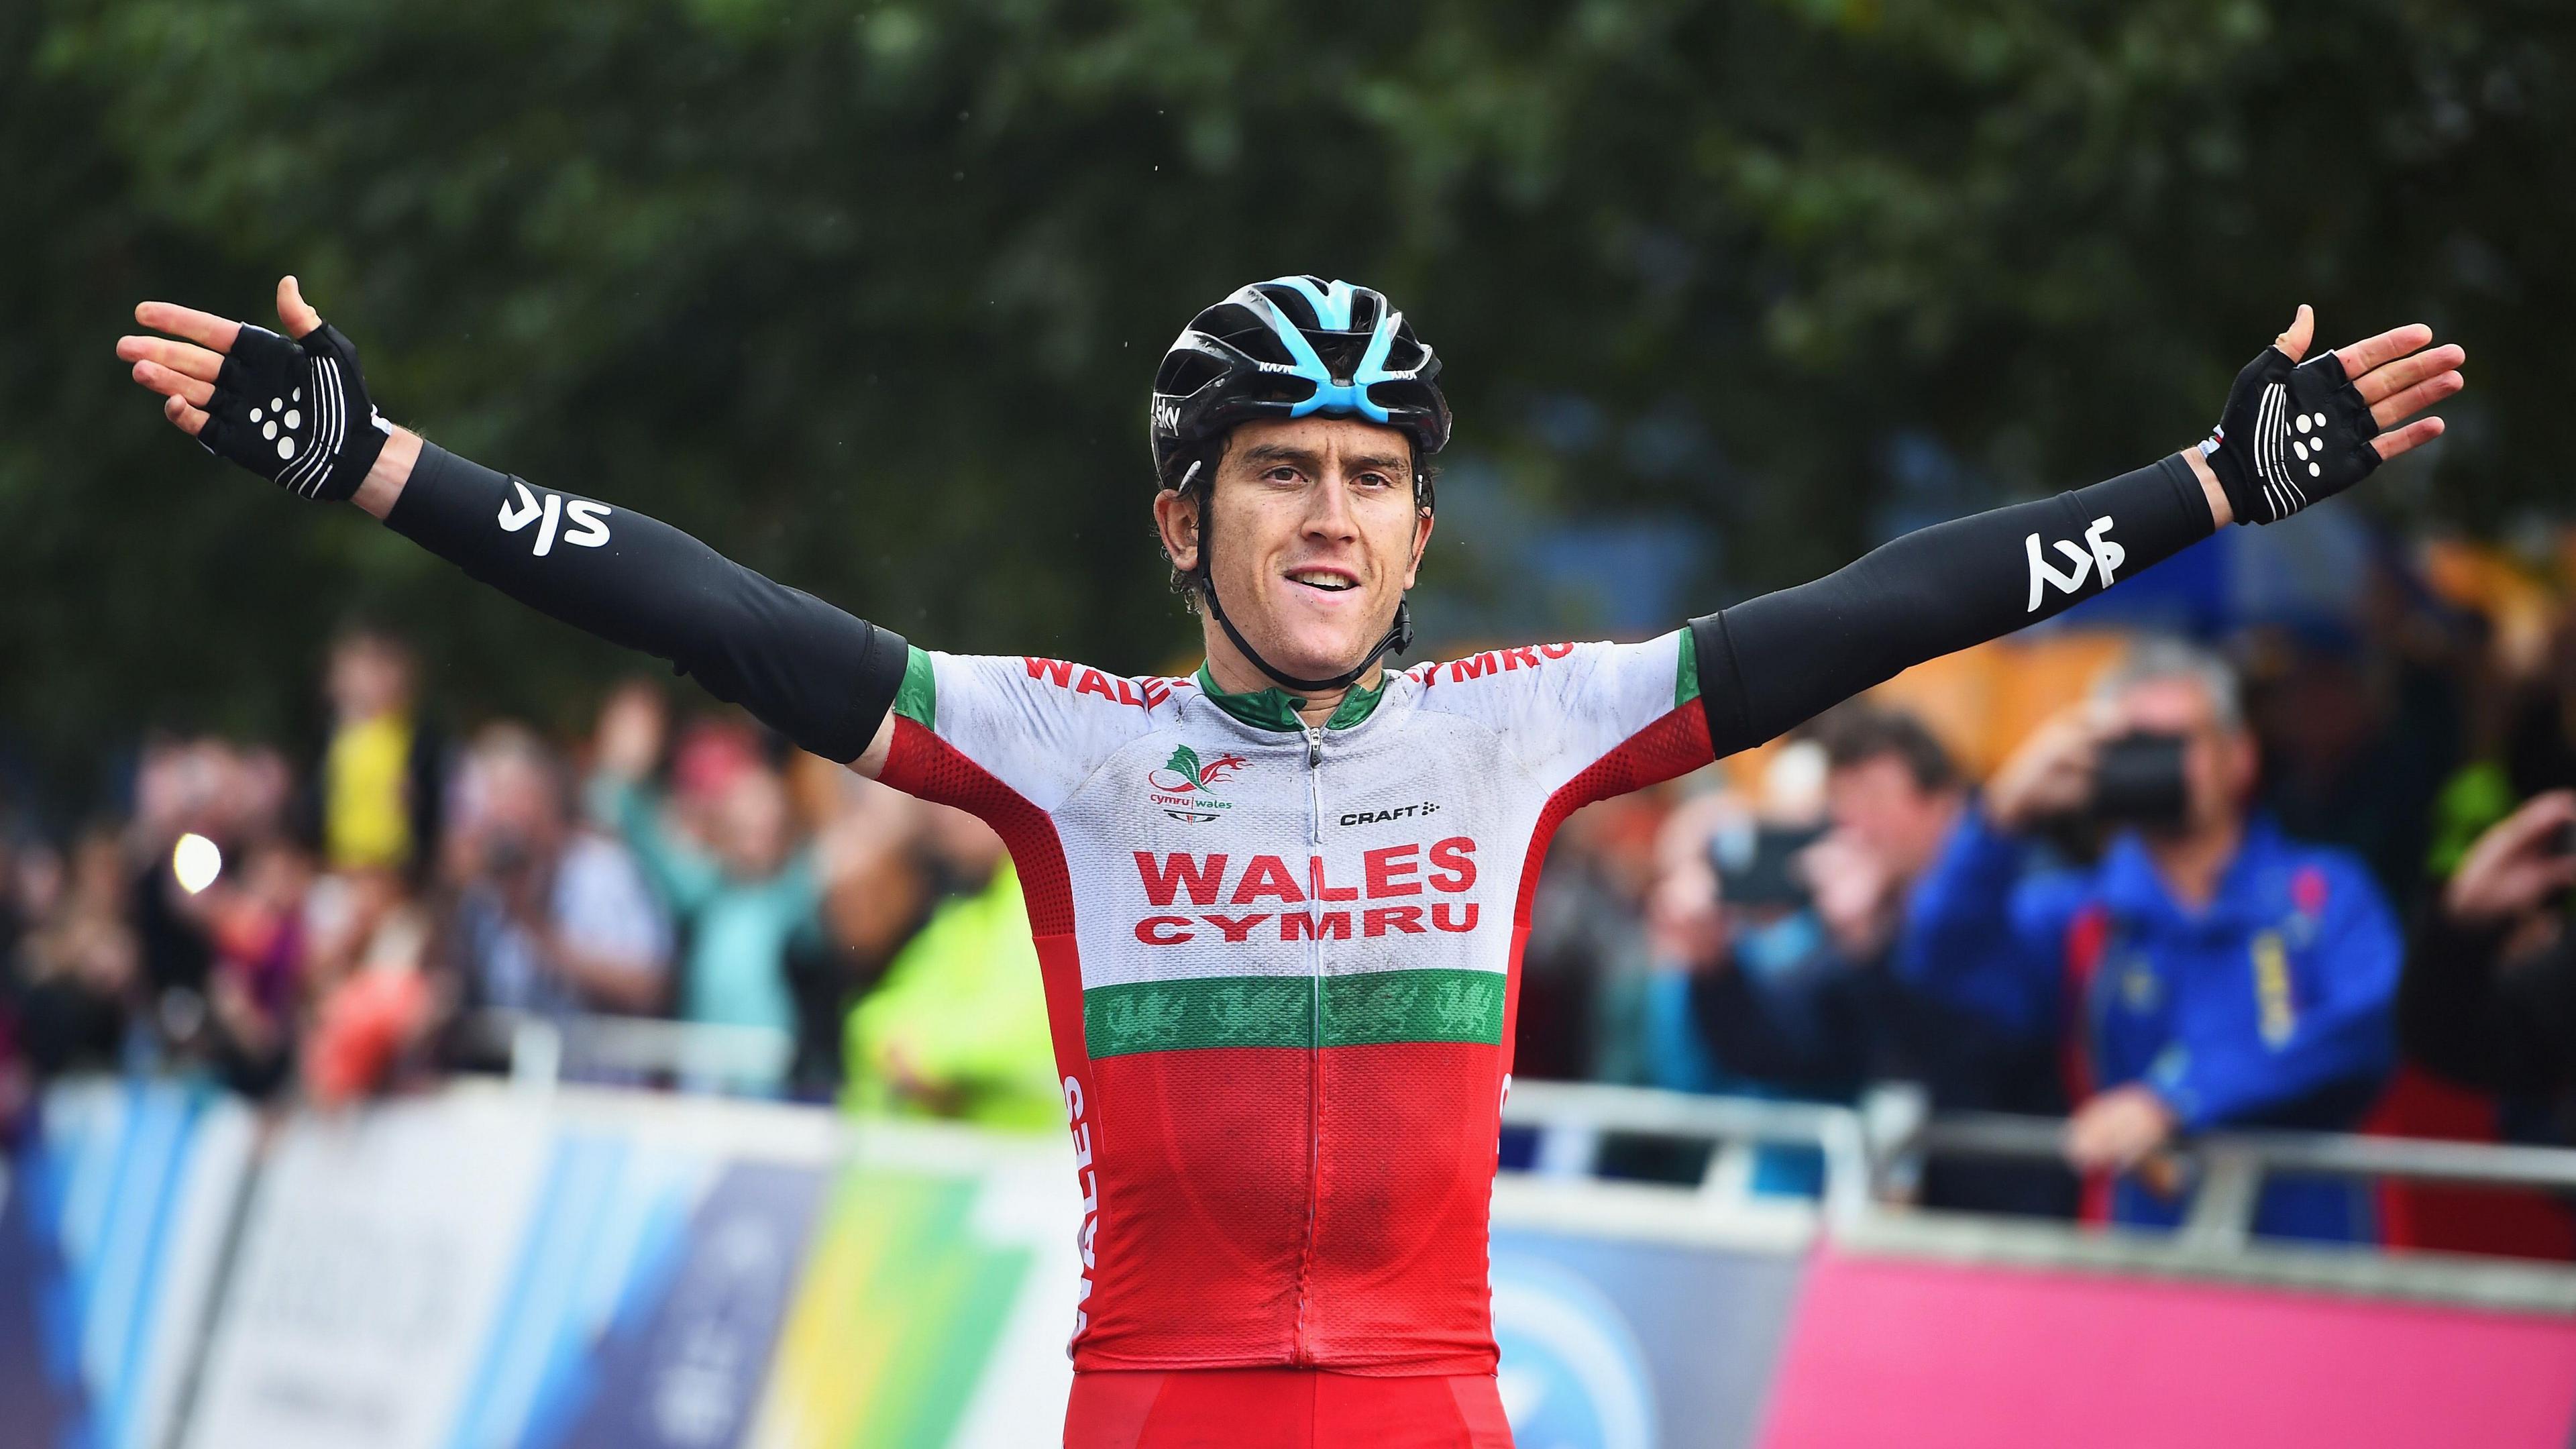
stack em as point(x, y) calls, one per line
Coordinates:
point(1288, 348)
point(1293, 347)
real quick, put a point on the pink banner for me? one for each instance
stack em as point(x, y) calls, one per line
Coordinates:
point(1929, 1355)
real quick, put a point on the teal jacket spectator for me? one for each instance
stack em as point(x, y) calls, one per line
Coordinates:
point(739, 927)
point(2272, 1006)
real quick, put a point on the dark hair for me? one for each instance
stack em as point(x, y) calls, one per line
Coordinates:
point(1857, 732)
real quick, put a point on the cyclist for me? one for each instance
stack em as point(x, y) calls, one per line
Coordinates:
point(1282, 997)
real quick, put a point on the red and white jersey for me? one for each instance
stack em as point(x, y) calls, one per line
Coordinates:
point(1281, 964)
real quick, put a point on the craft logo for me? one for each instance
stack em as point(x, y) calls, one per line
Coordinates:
point(1183, 786)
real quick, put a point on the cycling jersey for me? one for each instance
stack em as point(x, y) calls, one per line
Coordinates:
point(1279, 963)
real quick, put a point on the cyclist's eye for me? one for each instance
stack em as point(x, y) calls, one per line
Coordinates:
point(1281, 474)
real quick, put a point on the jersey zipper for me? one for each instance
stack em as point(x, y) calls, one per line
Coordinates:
point(1303, 1350)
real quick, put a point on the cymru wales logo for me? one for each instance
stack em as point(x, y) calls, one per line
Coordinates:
point(1184, 787)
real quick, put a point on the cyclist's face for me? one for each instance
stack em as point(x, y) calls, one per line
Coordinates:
point(1316, 537)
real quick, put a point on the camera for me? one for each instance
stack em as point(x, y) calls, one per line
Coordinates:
point(2138, 780)
point(1757, 864)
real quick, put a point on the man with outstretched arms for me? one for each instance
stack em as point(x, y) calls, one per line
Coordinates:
point(1279, 904)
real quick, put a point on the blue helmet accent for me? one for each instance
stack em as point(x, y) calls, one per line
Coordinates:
point(1332, 300)
point(1294, 347)
point(1333, 310)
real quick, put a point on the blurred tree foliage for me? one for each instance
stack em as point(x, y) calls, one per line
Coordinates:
point(868, 294)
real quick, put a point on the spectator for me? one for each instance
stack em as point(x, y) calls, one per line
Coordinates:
point(2489, 997)
point(1732, 917)
point(79, 972)
point(374, 1000)
point(1585, 969)
point(879, 889)
point(958, 1027)
point(745, 895)
point(235, 798)
point(2356, 741)
point(2206, 972)
point(1894, 802)
point(256, 985)
point(380, 789)
point(550, 918)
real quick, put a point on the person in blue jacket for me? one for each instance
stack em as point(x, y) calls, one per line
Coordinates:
point(2206, 972)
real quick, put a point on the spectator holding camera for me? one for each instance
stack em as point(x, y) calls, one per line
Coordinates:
point(1894, 800)
point(551, 918)
point(2489, 998)
point(2205, 971)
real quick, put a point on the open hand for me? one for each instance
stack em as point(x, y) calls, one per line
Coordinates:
point(2519, 862)
point(2117, 1129)
point(2399, 373)
point(184, 372)
point(295, 412)
point(2051, 773)
point(2295, 433)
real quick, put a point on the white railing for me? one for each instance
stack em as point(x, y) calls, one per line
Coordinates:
point(1872, 1154)
point(542, 1050)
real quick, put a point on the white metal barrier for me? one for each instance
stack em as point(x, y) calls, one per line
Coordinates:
point(1872, 1157)
point(1872, 1153)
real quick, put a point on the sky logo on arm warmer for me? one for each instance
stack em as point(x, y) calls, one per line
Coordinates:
point(2104, 557)
point(589, 520)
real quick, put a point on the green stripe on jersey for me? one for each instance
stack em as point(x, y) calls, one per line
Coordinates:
point(1686, 682)
point(1279, 1011)
point(917, 698)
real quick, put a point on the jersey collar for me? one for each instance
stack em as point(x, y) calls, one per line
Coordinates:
point(1275, 709)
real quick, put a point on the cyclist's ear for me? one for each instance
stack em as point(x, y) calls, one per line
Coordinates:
point(1176, 519)
point(1421, 545)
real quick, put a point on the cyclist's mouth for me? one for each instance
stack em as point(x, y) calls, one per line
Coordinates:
point(1324, 581)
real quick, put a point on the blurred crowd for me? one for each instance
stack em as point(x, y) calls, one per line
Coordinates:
point(409, 904)
point(2307, 875)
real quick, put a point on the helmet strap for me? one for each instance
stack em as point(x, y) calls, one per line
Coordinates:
point(1397, 639)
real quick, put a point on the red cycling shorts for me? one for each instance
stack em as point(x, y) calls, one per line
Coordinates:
point(1283, 1409)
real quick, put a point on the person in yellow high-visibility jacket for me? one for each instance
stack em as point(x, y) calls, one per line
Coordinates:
point(958, 1027)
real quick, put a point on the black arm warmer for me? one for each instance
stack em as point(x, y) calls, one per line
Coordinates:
point(1769, 663)
point(809, 671)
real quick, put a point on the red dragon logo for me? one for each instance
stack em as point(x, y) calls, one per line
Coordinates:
point(1185, 783)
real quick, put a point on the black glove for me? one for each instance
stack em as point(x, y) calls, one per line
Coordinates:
point(2291, 436)
point(295, 412)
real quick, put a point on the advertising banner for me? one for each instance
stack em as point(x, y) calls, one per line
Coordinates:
point(1893, 1351)
point(380, 1247)
point(112, 1226)
point(483, 1271)
point(1628, 1343)
point(937, 1300)
point(679, 1362)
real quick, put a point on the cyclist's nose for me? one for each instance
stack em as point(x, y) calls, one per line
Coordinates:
point(1328, 510)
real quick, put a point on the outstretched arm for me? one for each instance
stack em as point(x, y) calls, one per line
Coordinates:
point(2291, 435)
point(298, 413)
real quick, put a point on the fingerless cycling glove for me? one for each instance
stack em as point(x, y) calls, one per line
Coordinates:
point(2291, 435)
point(295, 413)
